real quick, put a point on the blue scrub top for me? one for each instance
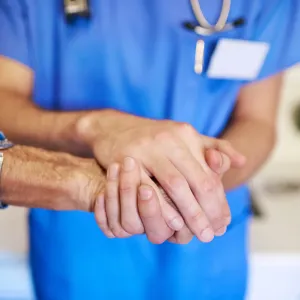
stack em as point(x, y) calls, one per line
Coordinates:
point(135, 56)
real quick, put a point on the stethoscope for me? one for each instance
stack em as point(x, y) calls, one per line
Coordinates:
point(81, 8)
point(204, 28)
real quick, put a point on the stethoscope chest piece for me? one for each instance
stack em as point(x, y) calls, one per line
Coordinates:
point(76, 8)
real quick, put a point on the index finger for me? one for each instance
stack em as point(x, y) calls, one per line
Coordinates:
point(149, 209)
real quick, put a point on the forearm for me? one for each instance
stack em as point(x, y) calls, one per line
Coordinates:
point(38, 178)
point(27, 124)
point(253, 138)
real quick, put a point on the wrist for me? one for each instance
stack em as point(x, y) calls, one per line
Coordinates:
point(100, 130)
point(37, 178)
point(86, 184)
point(63, 134)
point(93, 124)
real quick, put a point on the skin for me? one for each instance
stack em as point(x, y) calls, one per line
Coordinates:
point(111, 136)
point(171, 152)
point(36, 178)
point(124, 187)
point(253, 123)
point(253, 128)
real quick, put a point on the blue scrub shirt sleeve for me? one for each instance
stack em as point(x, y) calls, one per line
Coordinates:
point(280, 27)
point(14, 31)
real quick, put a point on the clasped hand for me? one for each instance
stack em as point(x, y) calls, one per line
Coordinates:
point(187, 196)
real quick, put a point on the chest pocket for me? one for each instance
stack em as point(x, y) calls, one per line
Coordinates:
point(204, 102)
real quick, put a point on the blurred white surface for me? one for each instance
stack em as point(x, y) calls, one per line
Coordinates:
point(288, 145)
point(15, 283)
point(278, 231)
point(274, 277)
point(13, 230)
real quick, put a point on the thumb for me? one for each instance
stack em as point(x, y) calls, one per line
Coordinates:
point(237, 159)
point(217, 161)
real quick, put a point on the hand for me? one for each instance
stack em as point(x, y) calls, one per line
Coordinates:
point(122, 186)
point(173, 153)
point(220, 164)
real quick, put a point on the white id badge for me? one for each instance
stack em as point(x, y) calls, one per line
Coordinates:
point(237, 59)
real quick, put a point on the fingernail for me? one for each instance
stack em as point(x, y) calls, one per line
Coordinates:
point(221, 231)
point(176, 224)
point(145, 193)
point(113, 172)
point(207, 235)
point(128, 164)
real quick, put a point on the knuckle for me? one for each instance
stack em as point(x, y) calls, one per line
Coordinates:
point(134, 147)
point(197, 216)
point(225, 144)
point(209, 184)
point(126, 187)
point(185, 128)
point(142, 142)
point(111, 196)
point(132, 227)
point(163, 136)
point(179, 152)
point(174, 184)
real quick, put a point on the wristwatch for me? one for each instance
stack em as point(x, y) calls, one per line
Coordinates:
point(4, 144)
